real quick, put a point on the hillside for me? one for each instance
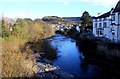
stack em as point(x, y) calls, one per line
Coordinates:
point(74, 19)
point(56, 20)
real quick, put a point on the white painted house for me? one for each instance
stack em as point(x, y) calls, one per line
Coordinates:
point(108, 24)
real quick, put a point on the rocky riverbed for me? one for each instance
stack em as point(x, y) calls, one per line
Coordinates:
point(44, 69)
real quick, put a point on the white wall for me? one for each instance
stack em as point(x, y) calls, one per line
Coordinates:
point(107, 32)
point(119, 19)
point(116, 18)
point(94, 31)
point(116, 33)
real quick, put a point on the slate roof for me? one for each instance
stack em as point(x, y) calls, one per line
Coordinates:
point(117, 8)
point(104, 15)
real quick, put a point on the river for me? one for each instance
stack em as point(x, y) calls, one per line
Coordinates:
point(70, 59)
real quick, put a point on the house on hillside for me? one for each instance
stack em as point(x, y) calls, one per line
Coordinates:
point(108, 24)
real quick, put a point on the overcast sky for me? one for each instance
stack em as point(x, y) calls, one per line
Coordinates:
point(40, 8)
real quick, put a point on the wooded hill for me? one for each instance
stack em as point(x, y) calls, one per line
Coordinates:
point(56, 20)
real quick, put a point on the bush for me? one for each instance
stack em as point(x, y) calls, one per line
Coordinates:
point(4, 30)
point(17, 63)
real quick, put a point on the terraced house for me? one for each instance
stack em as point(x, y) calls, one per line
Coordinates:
point(108, 24)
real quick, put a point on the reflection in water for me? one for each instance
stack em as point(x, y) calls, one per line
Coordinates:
point(70, 59)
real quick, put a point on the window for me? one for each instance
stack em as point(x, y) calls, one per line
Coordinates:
point(112, 29)
point(95, 25)
point(104, 24)
point(100, 25)
point(101, 32)
point(95, 20)
point(97, 32)
point(113, 17)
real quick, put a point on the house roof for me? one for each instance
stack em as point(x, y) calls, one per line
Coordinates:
point(117, 8)
point(103, 16)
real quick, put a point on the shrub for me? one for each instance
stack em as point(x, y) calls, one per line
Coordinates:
point(17, 63)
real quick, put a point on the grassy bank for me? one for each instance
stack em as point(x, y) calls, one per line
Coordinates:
point(17, 54)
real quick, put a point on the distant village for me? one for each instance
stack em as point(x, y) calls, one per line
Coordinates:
point(106, 25)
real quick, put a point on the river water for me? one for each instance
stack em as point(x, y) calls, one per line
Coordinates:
point(70, 59)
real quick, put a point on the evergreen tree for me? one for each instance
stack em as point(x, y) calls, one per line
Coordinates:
point(4, 32)
point(86, 20)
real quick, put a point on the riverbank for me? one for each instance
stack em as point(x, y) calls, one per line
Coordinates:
point(70, 59)
point(98, 51)
point(26, 52)
point(96, 45)
point(18, 47)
